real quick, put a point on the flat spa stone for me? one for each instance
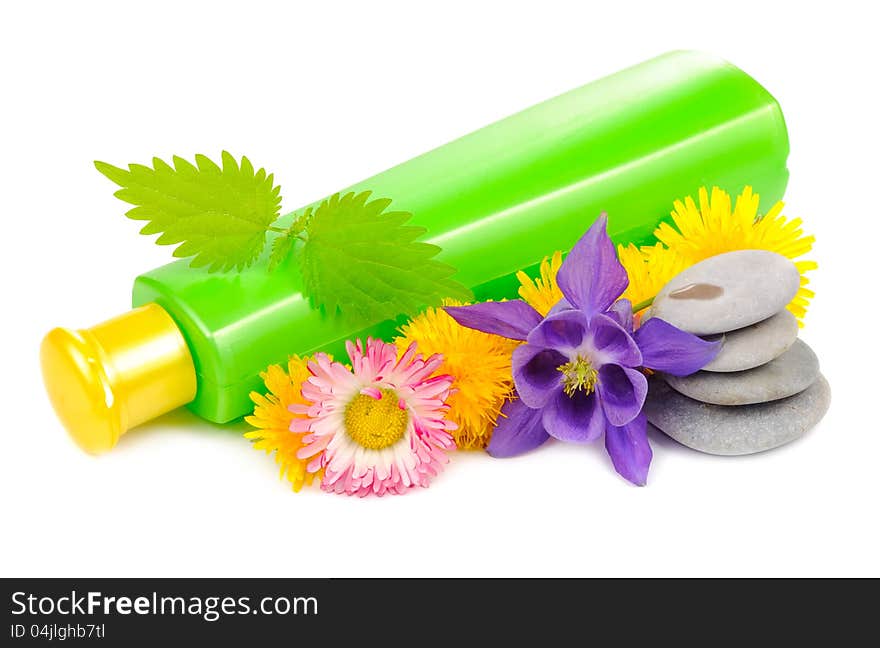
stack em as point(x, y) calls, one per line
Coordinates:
point(727, 292)
point(720, 430)
point(755, 345)
point(787, 375)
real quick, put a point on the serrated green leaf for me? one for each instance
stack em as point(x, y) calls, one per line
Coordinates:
point(217, 214)
point(366, 263)
point(281, 247)
point(283, 243)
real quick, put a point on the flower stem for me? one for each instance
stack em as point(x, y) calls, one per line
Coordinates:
point(643, 305)
point(272, 228)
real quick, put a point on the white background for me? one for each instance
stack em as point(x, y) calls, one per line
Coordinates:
point(325, 95)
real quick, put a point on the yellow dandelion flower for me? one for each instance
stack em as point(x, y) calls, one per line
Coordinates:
point(272, 420)
point(711, 228)
point(479, 364)
point(649, 268)
point(542, 293)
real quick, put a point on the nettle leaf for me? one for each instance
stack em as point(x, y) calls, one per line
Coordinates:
point(366, 263)
point(283, 244)
point(281, 247)
point(218, 216)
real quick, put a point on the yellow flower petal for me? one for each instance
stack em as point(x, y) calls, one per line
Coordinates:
point(479, 364)
point(698, 233)
point(542, 294)
point(271, 418)
point(649, 269)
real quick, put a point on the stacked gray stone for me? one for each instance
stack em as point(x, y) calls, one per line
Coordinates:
point(764, 388)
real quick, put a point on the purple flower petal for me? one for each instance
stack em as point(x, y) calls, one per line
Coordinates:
point(511, 319)
point(519, 430)
point(629, 450)
point(667, 348)
point(591, 277)
point(563, 331)
point(577, 418)
point(623, 392)
point(612, 343)
point(561, 305)
point(536, 373)
point(621, 312)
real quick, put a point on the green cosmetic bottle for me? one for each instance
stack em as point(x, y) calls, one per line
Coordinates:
point(496, 201)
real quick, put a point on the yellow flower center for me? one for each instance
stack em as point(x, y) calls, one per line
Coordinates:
point(578, 374)
point(376, 423)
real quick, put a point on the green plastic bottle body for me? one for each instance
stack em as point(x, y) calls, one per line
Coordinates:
point(499, 200)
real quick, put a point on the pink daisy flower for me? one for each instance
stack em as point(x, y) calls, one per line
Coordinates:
point(379, 427)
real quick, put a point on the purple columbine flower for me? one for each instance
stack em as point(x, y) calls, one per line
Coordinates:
point(579, 375)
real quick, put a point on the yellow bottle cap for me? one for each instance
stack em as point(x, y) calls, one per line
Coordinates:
point(107, 379)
